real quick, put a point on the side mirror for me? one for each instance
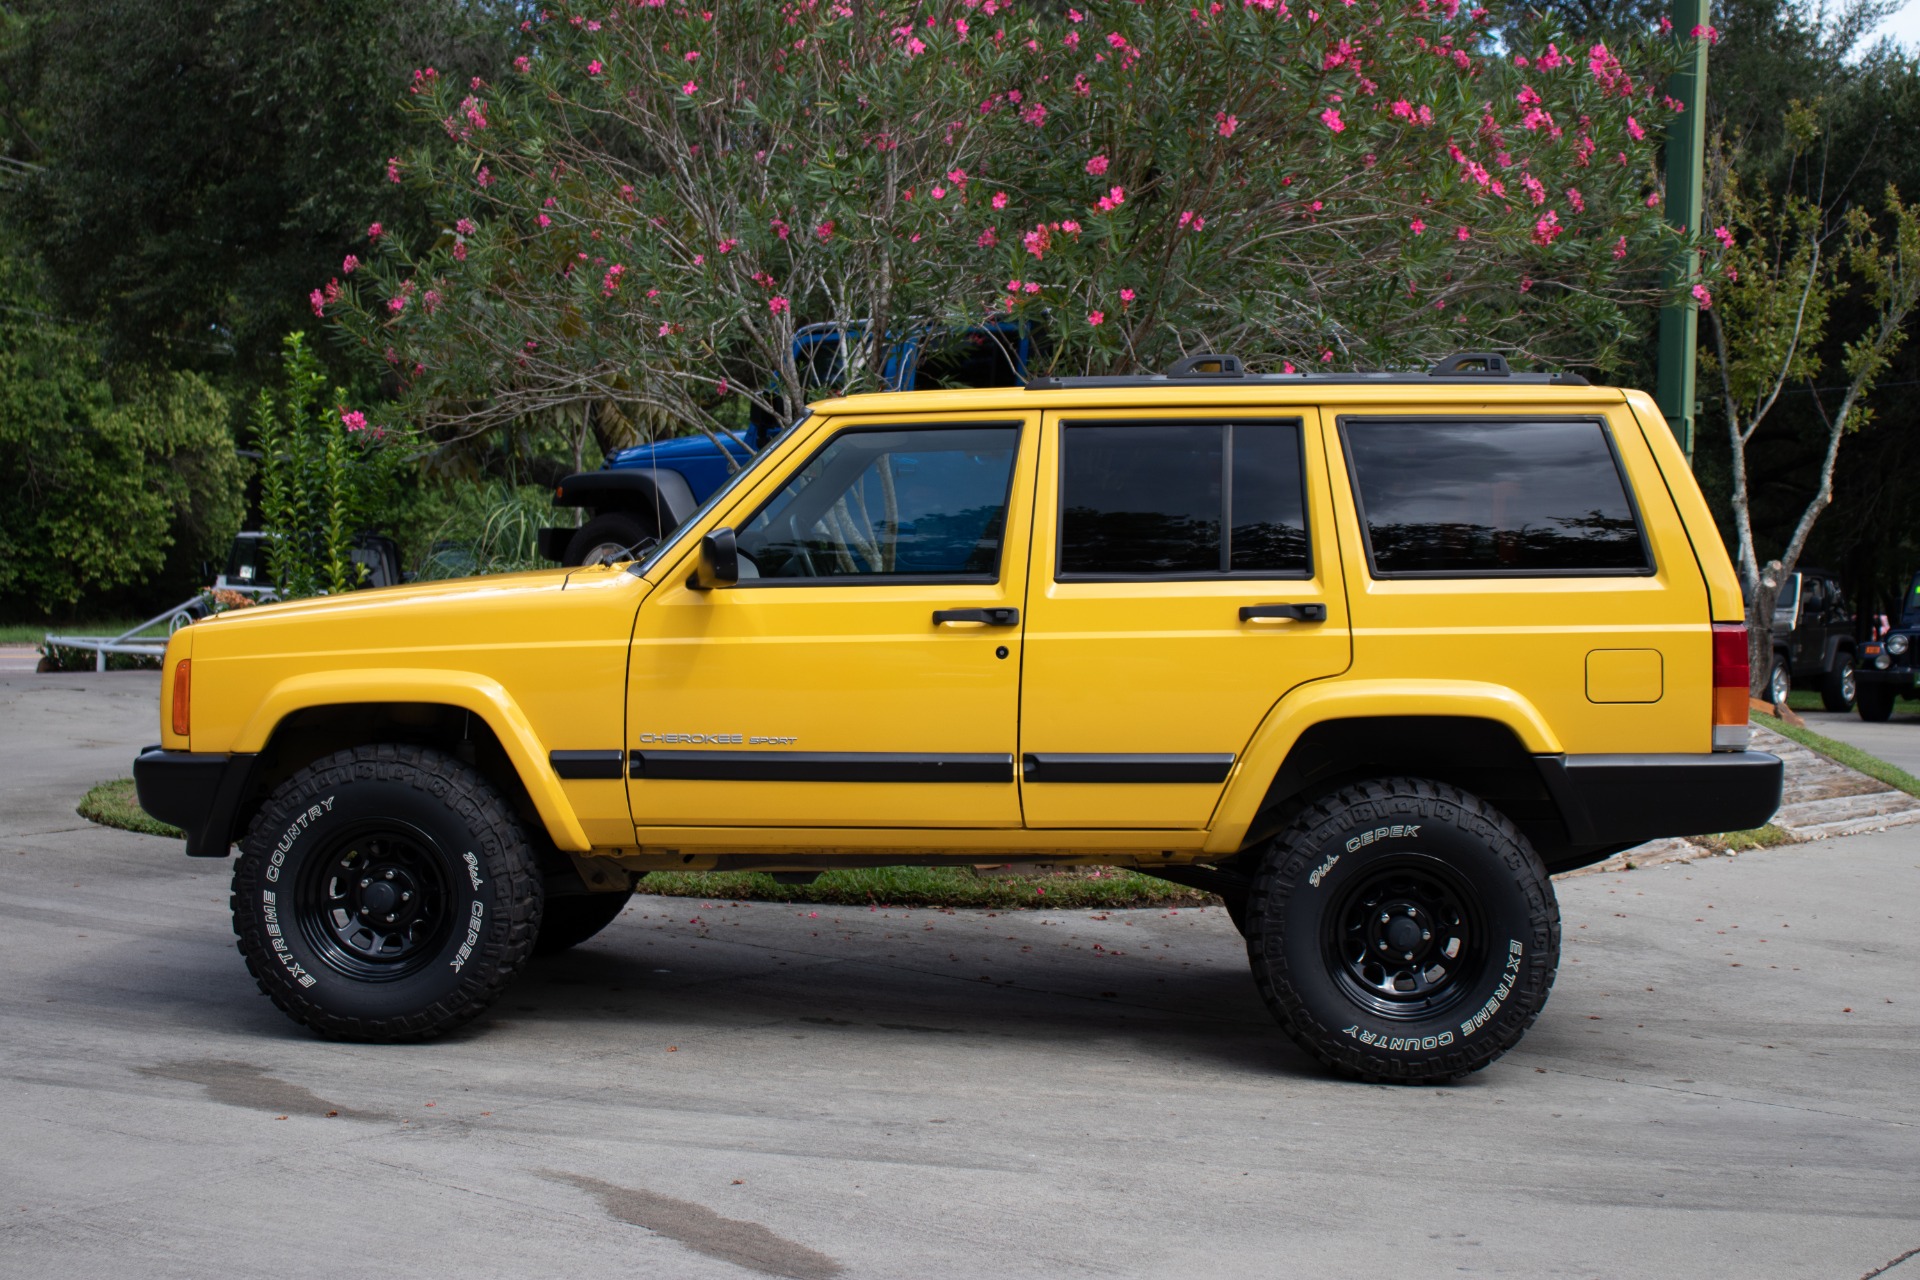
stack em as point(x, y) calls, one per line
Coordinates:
point(719, 564)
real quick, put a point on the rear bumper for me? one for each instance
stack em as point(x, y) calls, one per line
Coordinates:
point(199, 792)
point(1624, 799)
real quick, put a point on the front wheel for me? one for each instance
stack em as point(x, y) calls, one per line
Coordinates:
point(385, 894)
point(608, 539)
point(1838, 691)
point(1875, 702)
point(1403, 930)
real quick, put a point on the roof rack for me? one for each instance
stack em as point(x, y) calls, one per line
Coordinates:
point(1207, 369)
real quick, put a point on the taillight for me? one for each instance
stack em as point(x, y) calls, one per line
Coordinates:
point(1731, 682)
point(182, 696)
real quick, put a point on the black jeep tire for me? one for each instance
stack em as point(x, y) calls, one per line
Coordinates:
point(609, 537)
point(1780, 681)
point(1419, 867)
point(1839, 689)
point(385, 894)
point(567, 922)
point(1875, 702)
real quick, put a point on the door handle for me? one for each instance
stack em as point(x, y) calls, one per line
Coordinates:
point(981, 617)
point(1297, 612)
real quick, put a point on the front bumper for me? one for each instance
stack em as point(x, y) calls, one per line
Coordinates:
point(199, 792)
point(1898, 678)
point(1626, 799)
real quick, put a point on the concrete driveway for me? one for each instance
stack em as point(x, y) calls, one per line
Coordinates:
point(1726, 1082)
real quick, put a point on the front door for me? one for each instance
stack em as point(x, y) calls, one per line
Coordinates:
point(865, 670)
point(1186, 580)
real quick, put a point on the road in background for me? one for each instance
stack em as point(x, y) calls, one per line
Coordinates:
point(1725, 1082)
point(1897, 741)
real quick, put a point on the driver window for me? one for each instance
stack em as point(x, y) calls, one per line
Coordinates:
point(915, 503)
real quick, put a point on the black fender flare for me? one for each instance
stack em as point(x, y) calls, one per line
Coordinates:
point(652, 493)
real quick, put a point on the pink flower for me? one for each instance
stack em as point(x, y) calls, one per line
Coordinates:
point(957, 176)
point(397, 303)
point(721, 387)
point(1013, 286)
point(318, 301)
point(1620, 247)
point(1036, 241)
point(460, 251)
point(1126, 297)
point(779, 306)
point(465, 226)
point(727, 245)
point(544, 221)
point(1115, 197)
point(824, 232)
point(1462, 233)
point(1225, 124)
point(1096, 317)
point(353, 420)
point(1031, 286)
point(522, 65)
point(988, 238)
point(1035, 115)
point(1417, 227)
point(611, 280)
point(693, 55)
point(1724, 236)
point(1701, 296)
point(939, 193)
point(349, 264)
point(375, 231)
point(1548, 228)
point(1097, 166)
point(1653, 199)
point(393, 168)
point(1326, 357)
point(1331, 118)
point(484, 177)
point(1578, 201)
point(1634, 130)
point(595, 67)
point(1191, 221)
point(999, 199)
point(690, 88)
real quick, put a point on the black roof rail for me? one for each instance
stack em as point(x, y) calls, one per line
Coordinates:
point(1211, 369)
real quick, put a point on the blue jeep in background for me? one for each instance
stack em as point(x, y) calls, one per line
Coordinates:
point(644, 493)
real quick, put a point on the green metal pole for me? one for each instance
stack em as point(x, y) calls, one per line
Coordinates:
point(1686, 156)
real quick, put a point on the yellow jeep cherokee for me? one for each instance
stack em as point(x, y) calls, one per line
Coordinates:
point(1368, 655)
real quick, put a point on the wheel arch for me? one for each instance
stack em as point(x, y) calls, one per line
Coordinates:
point(470, 716)
point(1483, 739)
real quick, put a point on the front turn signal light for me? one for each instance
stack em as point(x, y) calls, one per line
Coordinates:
point(182, 696)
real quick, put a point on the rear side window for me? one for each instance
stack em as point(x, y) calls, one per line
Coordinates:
point(1467, 498)
point(1181, 500)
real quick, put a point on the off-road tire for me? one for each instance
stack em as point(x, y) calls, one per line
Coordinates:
point(612, 529)
point(299, 907)
point(567, 922)
point(1875, 702)
point(1780, 681)
point(1463, 857)
point(1839, 689)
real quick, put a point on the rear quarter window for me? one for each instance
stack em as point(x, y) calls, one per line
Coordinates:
point(1492, 497)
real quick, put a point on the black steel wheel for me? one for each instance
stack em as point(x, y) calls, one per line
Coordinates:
point(1839, 689)
point(567, 922)
point(1875, 702)
point(385, 893)
point(1401, 929)
point(609, 538)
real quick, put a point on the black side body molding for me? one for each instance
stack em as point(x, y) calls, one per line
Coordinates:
point(1056, 767)
point(199, 792)
point(819, 766)
point(1625, 799)
point(588, 764)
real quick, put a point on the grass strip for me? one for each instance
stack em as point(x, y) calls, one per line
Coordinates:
point(1076, 887)
point(1852, 757)
point(113, 804)
point(35, 632)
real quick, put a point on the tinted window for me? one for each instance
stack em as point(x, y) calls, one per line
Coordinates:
point(1181, 500)
point(875, 504)
point(1464, 498)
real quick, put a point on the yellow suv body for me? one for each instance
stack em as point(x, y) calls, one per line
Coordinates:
point(1370, 656)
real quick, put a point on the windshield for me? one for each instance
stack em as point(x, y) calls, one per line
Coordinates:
point(1910, 610)
point(639, 568)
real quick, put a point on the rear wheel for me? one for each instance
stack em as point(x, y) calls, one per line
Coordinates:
point(1875, 702)
point(385, 893)
point(1780, 682)
point(1838, 690)
point(608, 538)
point(568, 922)
point(1401, 929)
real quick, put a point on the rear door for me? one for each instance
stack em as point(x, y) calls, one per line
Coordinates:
point(1184, 578)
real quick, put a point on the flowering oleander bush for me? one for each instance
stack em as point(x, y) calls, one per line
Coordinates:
point(644, 211)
